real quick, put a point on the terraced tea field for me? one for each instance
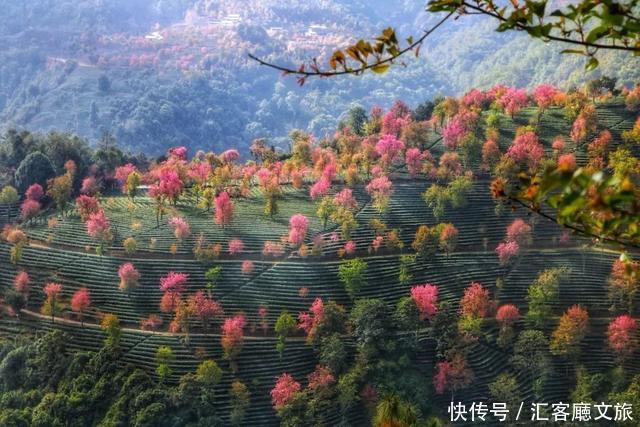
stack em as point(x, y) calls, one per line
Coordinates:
point(60, 251)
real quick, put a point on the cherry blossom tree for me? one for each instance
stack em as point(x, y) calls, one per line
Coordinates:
point(623, 282)
point(284, 390)
point(129, 277)
point(507, 251)
point(320, 188)
point(513, 100)
point(34, 192)
point(29, 209)
point(224, 209)
point(506, 316)
point(181, 228)
point(389, 148)
point(413, 160)
point(297, 229)
point(207, 309)
point(247, 267)
point(22, 282)
point(448, 238)
point(173, 285)
point(52, 303)
point(232, 338)
point(89, 186)
point(320, 378)
point(272, 249)
point(99, 228)
point(426, 299)
point(86, 206)
point(80, 302)
point(520, 232)
point(236, 246)
point(622, 336)
point(380, 189)
point(545, 96)
point(453, 374)
point(345, 199)
point(526, 149)
point(476, 301)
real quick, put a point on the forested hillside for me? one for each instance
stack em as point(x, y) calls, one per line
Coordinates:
point(365, 278)
point(176, 72)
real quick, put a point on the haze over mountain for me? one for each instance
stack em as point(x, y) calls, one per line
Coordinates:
point(169, 72)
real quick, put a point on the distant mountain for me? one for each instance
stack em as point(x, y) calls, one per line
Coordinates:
point(165, 72)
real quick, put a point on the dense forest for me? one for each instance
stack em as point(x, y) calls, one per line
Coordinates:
point(175, 72)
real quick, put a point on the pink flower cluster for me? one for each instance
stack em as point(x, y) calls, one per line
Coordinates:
point(526, 148)
point(21, 282)
point(284, 390)
point(381, 186)
point(506, 251)
point(174, 282)
point(389, 148)
point(181, 228)
point(34, 192)
point(513, 100)
point(320, 188)
point(426, 299)
point(236, 246)
point(345, 199)
point(98, 225)
point(297, 229)
point(230, 156)
point(545, 95)
point(224, 208)
point(307, 321)
point(507, 315)
point(129, 276)
point(272, 249)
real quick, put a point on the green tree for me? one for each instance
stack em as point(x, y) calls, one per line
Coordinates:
point(351, 274)
point(240, 400)
point(36, 168)
point(164, 357)
point(286, 326)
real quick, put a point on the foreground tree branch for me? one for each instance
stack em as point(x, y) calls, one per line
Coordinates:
point(376, 57)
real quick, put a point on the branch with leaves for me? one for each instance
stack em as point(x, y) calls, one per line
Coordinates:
point(589, 25)
point(376, 56)
point(595, 204)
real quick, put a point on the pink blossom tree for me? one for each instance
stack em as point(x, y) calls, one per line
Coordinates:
point(622, 336)
point(52, 303)
point(181, 228)
point(320, 378)
point(345, 199)
point(224, 209)
point(236, 246)
point(526, 149)
point(320, 188)
point(80, 302)
point(297, 229)
point(232, 338)
point(29, 209)
point(284, 390)
point(476, 301)
point(22, 282)
point(513, 100)
point(129, 277)
point(389, 148)
point(507, 251)
point(207, 309)
point(545, 96)
point(34, 192)
point(380, 189)
point(520, 232)
point(86, 206)
point(413, 160)
point(426, 299)
point(272, 249)
point(247, 267)
point(99, 228)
